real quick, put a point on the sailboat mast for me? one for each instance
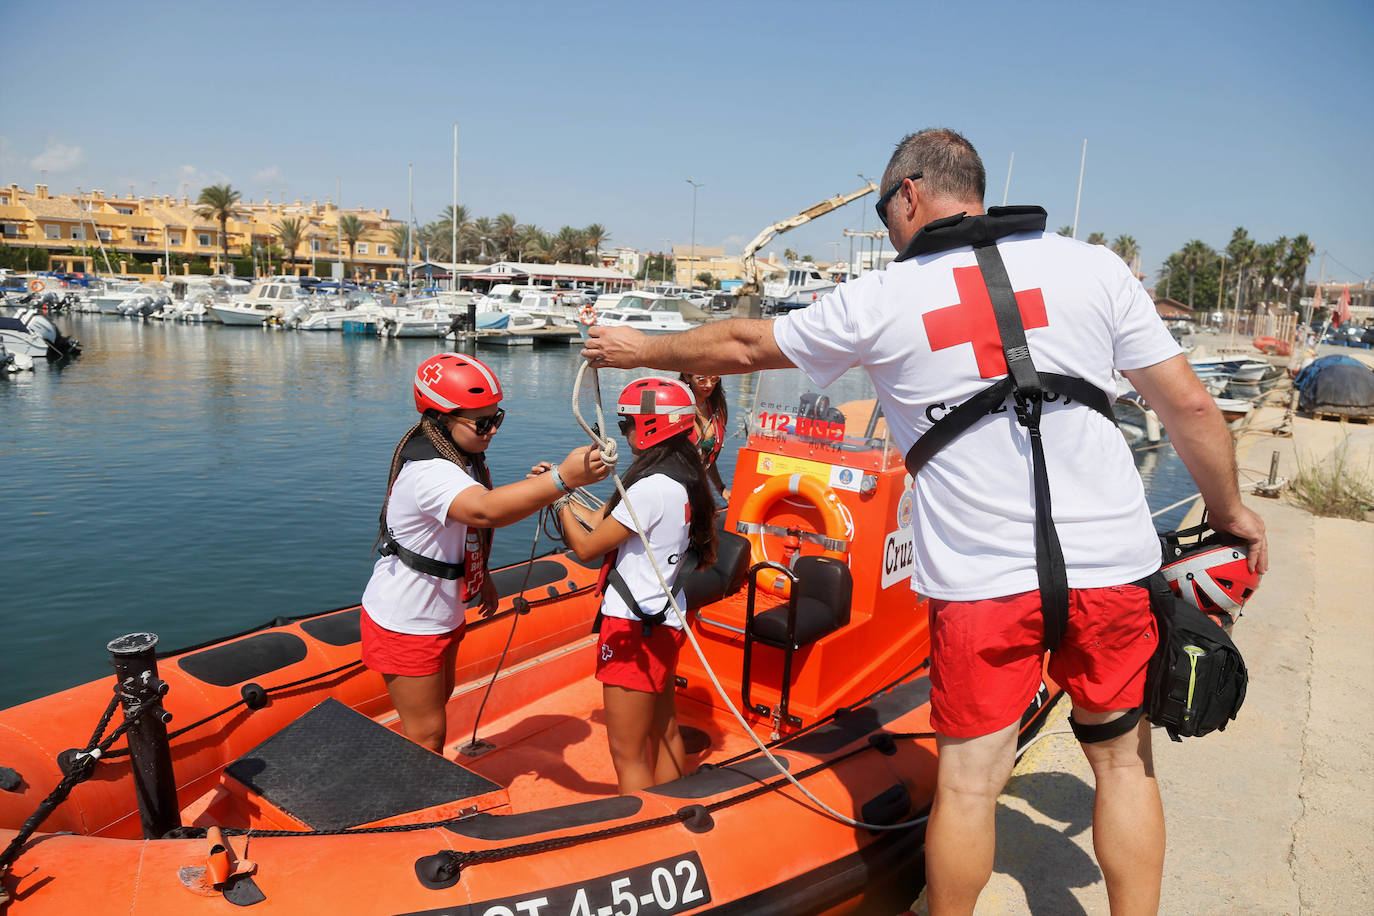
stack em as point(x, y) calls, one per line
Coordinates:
point(453, 223)
point(1079, 198)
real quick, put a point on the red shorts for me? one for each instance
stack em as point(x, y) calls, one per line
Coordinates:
point(409, 654)
point(624, 658)
point(986, 656)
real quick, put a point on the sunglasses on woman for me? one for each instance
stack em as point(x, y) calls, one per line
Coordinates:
point(484, 425)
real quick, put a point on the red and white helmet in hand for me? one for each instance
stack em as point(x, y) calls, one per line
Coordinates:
point(1211, 573)
point(454, 381)
point(655, 409)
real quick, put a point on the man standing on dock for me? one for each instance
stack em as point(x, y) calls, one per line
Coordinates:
point(926, 333)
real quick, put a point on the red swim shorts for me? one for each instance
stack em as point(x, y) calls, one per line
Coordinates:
point(409, 654)
point(986, 656)
point(624, 658)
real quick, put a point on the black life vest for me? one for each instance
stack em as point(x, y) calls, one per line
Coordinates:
point(1029, 390)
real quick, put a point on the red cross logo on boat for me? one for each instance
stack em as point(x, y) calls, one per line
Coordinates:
point(432, 374)
point(973, 321)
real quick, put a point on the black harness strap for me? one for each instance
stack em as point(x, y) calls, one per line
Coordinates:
point(1028, 389)
point(687, 562)
point(418, 561)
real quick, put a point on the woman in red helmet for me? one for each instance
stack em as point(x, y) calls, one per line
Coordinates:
point(640, 635)
point(435, 536)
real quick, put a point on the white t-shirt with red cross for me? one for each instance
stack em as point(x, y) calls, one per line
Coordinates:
point(664, 512)
point(924, 330)
point(402, 599)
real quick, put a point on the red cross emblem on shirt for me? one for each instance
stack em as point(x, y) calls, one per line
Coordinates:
point(973, 321)
point(432, 374)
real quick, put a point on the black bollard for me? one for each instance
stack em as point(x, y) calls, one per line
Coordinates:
point(150, 753)
point(472, 316)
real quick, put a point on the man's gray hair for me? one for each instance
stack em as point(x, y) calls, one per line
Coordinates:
point(949, 163)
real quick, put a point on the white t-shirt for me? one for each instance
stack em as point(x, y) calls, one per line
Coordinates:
point(662, 506)
point(911, 326)
point(397, 597)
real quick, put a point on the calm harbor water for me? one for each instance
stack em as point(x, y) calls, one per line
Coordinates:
point(196, 480)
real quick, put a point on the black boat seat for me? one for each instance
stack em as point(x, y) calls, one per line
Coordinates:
point(725, 577)
point(822, 596)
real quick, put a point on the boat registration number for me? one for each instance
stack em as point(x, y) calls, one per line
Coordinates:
point(657, 889)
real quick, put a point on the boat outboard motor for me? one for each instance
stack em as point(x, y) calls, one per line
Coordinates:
point(59, 345)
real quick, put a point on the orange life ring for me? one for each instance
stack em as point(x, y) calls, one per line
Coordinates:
point(36, 286)
point(587, 315)
point(755, 510)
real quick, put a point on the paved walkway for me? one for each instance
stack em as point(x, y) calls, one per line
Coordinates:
point(1276, 814)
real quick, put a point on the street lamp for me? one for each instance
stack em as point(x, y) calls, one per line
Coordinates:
point(663, 260)
point(691, 281)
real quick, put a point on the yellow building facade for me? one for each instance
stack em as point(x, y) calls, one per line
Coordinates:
point(74, 228)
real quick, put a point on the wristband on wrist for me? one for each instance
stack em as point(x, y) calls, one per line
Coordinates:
point(558, 480)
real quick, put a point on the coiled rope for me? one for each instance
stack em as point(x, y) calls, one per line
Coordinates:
point(608, 446)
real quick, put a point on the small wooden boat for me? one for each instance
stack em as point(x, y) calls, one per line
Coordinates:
point(284, 786)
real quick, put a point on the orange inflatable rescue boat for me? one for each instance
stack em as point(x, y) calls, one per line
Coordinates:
point(264, 770)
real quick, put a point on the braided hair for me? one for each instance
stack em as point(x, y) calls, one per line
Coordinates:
point(431, 428)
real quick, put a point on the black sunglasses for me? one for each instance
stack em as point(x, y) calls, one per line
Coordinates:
point(484, 425)
point(881, 205)
point(626, 425)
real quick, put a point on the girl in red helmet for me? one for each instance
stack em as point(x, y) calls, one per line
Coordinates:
point(435, 536)
point(640, 635)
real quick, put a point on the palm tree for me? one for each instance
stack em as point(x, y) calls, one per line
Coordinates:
point(1127, 249)
point(291, 230)
point(789, 255)
point(1097, 238)
point(401, 241)
point(1066, 231)
point(1269, 261)
point(351, 228)
point(596, 236)
point(1295, 265)
point(1195, 255)
point(1241, 251)
point(507, 227)
point(218, 202)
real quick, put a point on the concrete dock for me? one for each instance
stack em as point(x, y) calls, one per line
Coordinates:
point(1276, 814)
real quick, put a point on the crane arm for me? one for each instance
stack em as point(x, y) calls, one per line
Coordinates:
point(750, 263)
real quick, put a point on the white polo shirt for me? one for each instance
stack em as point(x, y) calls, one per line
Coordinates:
point(924, 331)
point(397, 597)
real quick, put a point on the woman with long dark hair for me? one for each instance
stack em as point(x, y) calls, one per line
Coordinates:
point(435, 534)
point(708, 430)
point(640, 635)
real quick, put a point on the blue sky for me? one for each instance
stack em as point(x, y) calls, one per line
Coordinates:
point(1199, 117)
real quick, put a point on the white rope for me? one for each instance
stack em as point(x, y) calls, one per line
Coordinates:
point(691, 637)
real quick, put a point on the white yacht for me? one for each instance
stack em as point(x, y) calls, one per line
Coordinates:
point(267, 299)
point(115, 297)
point(804, 285)
point(645, 311)
point(423, 319)
point(335, 310)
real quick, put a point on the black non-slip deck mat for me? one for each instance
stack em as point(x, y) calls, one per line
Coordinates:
point(334, 768)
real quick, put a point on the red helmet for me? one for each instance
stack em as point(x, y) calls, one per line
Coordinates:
point(1210, 572)
point(659, 408)
point(453, 381)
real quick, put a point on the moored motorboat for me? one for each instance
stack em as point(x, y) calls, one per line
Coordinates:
point(285, 786)
point(32, 335)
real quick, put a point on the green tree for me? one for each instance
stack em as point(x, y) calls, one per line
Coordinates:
point(1300, 253)
point(1066, 231)
point(1241, 252)
point(596, 236)
point(401, 241)
point(1127, 249)
point(1268, 262)
point(656, 267)
point(789, 255)
point(352, 229)
point(1195, 255)
point(507, 233)
point(291, 230)
point(570, 245)
point(1097, 238)
point(219, 202)
point(707, 280)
